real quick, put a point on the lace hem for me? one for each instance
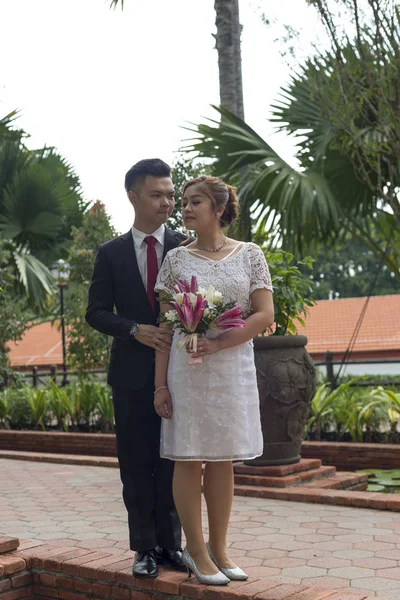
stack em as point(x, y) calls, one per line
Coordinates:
point(237, 457)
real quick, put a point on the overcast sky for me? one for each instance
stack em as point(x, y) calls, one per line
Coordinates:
point(107, 88)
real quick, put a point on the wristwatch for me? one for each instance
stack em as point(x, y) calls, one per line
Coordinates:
point(134, 330)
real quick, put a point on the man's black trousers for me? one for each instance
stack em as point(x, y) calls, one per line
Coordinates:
point(146, 478)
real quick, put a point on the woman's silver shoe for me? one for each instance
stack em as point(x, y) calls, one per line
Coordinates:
point(217, 579)
point(236, 574)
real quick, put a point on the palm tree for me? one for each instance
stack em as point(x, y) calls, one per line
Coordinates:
point(227, 41)
point(314, 203)
point(40, 201)
point(228, 47)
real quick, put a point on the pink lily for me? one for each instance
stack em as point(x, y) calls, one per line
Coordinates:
point(190, 316)
point(198, 311)
point(230, 324)
point(231, 313)
point(181, 287)
point(193, 285)
point(229, 319)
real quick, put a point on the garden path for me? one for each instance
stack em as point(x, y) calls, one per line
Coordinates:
point(317, 545)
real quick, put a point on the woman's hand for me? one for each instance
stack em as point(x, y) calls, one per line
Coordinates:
point(163, 403)
point(205, 347)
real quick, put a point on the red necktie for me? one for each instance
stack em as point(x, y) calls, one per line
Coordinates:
point(152, 269)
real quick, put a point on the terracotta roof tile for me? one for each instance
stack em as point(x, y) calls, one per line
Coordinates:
point(40, 345)
point(329, 326)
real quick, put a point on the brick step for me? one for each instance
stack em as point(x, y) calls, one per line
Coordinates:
point(8, 544)
point(305, 464)
point(355, 496)
point(300, 478)
point(342, 480)
point(327, 491)
point(359, 487)
point(66, 459)
point(45, 572)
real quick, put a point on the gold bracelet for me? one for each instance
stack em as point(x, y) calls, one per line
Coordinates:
point(163, 387)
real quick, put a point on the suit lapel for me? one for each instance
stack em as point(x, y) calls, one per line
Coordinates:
point(170, 241)
point(132, 268)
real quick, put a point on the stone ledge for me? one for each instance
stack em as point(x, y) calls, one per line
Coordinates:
point(93, 444)
point(342, 455)
point(352, 456)
point(67, 459)
point(77, 573)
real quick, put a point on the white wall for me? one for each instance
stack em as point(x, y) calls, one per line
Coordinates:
point(387, 368)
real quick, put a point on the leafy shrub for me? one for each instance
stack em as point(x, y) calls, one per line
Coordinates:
point(19, 414)
point(80, 406)
point(361, 413)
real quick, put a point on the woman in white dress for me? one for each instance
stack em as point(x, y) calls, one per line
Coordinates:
point(211, 410)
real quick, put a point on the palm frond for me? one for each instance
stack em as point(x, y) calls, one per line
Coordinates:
point(302, 202)
point(7, 130)
point(35, 279)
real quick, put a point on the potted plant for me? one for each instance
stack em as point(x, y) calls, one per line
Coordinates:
point(285, 370)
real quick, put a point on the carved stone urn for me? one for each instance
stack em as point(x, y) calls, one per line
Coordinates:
point(286, 384)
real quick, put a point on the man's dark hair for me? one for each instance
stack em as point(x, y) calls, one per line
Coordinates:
point(150, 166)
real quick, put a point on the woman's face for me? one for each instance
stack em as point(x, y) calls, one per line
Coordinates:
point(198, 212)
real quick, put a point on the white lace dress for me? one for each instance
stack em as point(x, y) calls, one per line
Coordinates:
point(216, 414)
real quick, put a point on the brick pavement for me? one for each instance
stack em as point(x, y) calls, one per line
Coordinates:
point(322, 546)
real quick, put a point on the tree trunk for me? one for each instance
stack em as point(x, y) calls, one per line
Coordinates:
point(237, 59)
point(230, 77)
point(318, 429)
point(224, 14)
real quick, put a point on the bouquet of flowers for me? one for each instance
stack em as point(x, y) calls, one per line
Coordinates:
point(196, 310)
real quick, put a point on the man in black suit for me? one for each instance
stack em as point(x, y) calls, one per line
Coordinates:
point(124, 278)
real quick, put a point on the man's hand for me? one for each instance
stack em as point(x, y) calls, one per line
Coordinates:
point(158, 338)
point(163, 403)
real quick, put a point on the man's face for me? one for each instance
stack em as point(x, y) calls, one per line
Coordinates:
point(153, 201)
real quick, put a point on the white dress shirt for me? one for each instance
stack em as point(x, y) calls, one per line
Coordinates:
point(141, 249)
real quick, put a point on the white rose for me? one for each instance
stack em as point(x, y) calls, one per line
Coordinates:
point(171, 316)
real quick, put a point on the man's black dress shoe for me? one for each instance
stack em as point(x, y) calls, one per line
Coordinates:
point(145, 564)
point(172, 558)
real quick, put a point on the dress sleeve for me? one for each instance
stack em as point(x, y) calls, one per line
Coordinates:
point(260, 277)
point(165, 278)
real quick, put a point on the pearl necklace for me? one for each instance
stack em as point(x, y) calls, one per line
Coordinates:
point(213, 249)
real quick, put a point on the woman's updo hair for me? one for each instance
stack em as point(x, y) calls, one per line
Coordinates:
point(221, 194)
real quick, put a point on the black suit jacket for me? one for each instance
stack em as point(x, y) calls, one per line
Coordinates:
point(116, 283)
